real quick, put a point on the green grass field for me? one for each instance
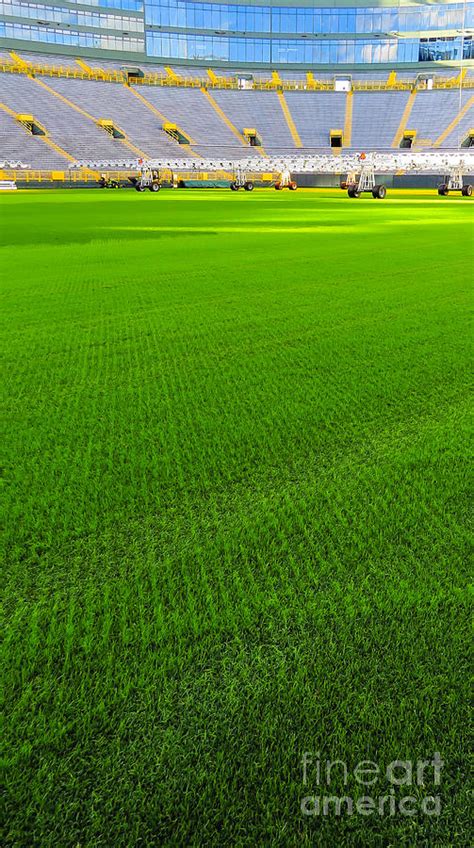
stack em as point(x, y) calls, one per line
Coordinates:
point(236, 492)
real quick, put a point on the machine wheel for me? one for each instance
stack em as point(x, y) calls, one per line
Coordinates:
point(278, 186)
point(140, 188)
point(381, 191)
point(353, 192)
point(292, 186)
point(442, 190)
point(467, 191)
point(249, 186)
point(155, 187)
point(234, 187)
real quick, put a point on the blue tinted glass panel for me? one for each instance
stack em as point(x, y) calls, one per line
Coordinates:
point(283, 19)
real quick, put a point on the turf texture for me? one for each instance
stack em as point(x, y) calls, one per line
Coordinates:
point(236, 499)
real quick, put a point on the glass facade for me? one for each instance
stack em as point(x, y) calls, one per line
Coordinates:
point(445, 49)
point(283, 19)
point(206, 32)
point(74, 17)
point(280, 51)
point(126, 5)
point(279, 35)
point(70, 37)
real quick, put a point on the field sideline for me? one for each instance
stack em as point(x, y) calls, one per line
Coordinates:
point(236, 492)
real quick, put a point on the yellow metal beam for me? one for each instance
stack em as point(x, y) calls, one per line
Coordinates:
point(18, 60)
point(224, 117)
point(172, 74)
point(452, 126)
point(289, 119)
point(404, 119)
point(84, 66)
point(392, 78)
point(276, 77)
point(347, 133)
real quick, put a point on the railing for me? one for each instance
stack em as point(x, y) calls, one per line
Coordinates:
point(41, 176)
point(61, 71)
point(177, 81)
point(91, 177)
point(381, 85)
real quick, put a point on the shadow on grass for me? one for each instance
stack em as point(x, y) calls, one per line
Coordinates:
point(97, 235)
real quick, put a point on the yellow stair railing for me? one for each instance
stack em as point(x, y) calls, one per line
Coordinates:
point(210, 79)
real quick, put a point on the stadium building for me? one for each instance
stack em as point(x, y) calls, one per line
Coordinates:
point(120, 79)
point(311, 34)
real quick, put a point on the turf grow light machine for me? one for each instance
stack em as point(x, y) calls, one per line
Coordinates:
point(285, 181)
point(149, 178)
point(357, 184)
point(240, 180)
point(362, 169)
point(455, 182)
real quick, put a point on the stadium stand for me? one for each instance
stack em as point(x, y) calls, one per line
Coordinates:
point(16, 145)
point(68, 101)
point(192, 111)
point(315, 113)
point(435, 111)
point(259, 109)
point(386, 109)
point(70, 129)
point(130, 113)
